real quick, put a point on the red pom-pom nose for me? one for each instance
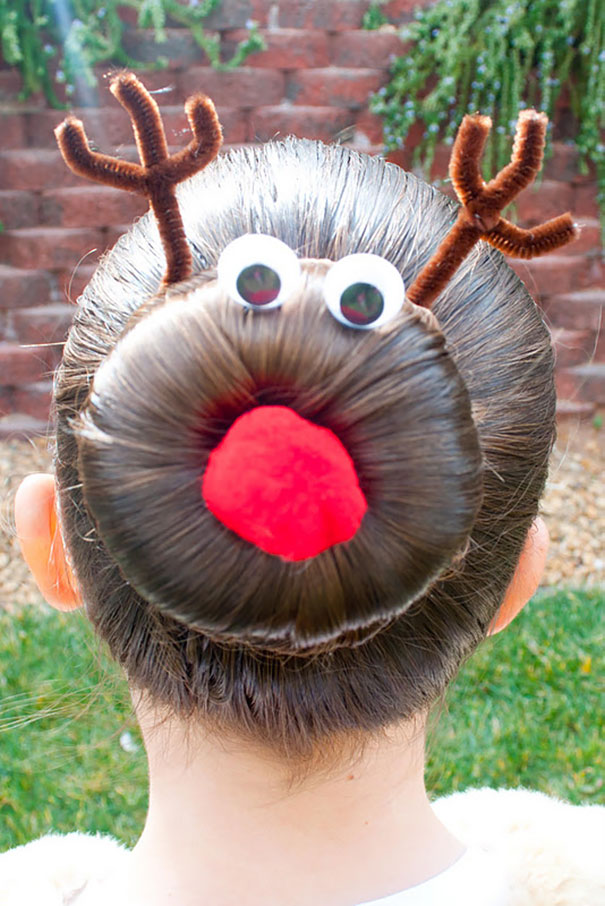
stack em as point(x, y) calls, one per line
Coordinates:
point(284, 483)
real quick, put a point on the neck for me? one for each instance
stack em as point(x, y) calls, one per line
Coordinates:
point(225, 825)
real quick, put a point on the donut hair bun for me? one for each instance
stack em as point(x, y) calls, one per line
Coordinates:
point(257, 469)
point(170, 392)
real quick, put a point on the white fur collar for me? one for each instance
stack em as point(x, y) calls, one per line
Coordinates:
point(552, 853)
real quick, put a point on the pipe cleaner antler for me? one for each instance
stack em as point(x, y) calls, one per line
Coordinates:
point(479, 217)
point(159, 174)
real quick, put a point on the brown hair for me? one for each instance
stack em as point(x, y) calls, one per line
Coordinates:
point(449, 427)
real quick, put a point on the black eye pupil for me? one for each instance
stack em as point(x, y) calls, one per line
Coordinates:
point(361, 303)
point(258, 284)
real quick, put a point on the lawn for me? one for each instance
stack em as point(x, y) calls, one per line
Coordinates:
point(526, 710)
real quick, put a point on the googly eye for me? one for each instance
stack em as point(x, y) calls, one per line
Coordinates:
point(363, 291)
point(258, 271)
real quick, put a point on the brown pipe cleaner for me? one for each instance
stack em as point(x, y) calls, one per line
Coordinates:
point(479, 217)
point(159, 174)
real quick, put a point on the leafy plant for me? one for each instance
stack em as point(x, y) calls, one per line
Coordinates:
point(374, 18)
point(497, 57)
point(60, 41)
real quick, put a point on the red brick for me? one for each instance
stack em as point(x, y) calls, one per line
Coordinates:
point(6, 401)
point(404, 158)
point(19, 425)
point(50, 248)
point(584, 383)
point(18, 209)
point(235, 124)
point(441, 163)
point(593, 274)
point(90, 204)
point(11, 84)
point(403, 10)
point(110, 130)
point(72, 282)
point(35, 169)
point(370, 49)
point(585, 201)
point(180, 47)
point(12, 131)
point(334, 87)
point(564, 165)
point(539, 203)
point(552, 274)
point(565, 124)
point(6, 331)
point(243, 87)
point(369, 128)
point(326, 15)
point(161, 82)
point(589, 239)
point(598, 354)
point(577, 311)
point(237, 13)
point(286, 48)
point(573, 347)
point(22, 366)
point(23, 288)
point(33, 400)
point(44, 324)
point(566, 385)
point(567, 409)
point(105, 126)
point(84, 94)
point(306, 122)
point(129, 16)
point(114, 232)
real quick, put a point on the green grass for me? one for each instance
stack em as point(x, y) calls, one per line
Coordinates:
point(527, 710)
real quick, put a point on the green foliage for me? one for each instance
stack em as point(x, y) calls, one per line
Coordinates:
point(60, 41)
point(497, 57)
point(374, 18)
point(71, 756)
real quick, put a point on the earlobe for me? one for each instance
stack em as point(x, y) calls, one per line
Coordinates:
point(528, 574)
point(42, 544)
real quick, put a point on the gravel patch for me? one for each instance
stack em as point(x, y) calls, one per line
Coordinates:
point(573, 506)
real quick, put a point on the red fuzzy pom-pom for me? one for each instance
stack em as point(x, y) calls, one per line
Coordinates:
point(284, 484)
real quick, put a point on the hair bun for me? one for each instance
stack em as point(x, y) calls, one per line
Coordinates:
point(171, 389)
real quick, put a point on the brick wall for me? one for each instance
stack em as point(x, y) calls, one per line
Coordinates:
point(313, 80)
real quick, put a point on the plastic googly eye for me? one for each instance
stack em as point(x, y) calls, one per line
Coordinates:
point(364, 291)
point(258, 271)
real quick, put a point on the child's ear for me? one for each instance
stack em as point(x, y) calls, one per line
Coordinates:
point(41, 542)
point(528, 574)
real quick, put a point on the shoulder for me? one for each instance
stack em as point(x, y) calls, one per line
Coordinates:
point(553, 852)
point(52, 870)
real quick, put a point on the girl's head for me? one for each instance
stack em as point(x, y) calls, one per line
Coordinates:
point(285, 527)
